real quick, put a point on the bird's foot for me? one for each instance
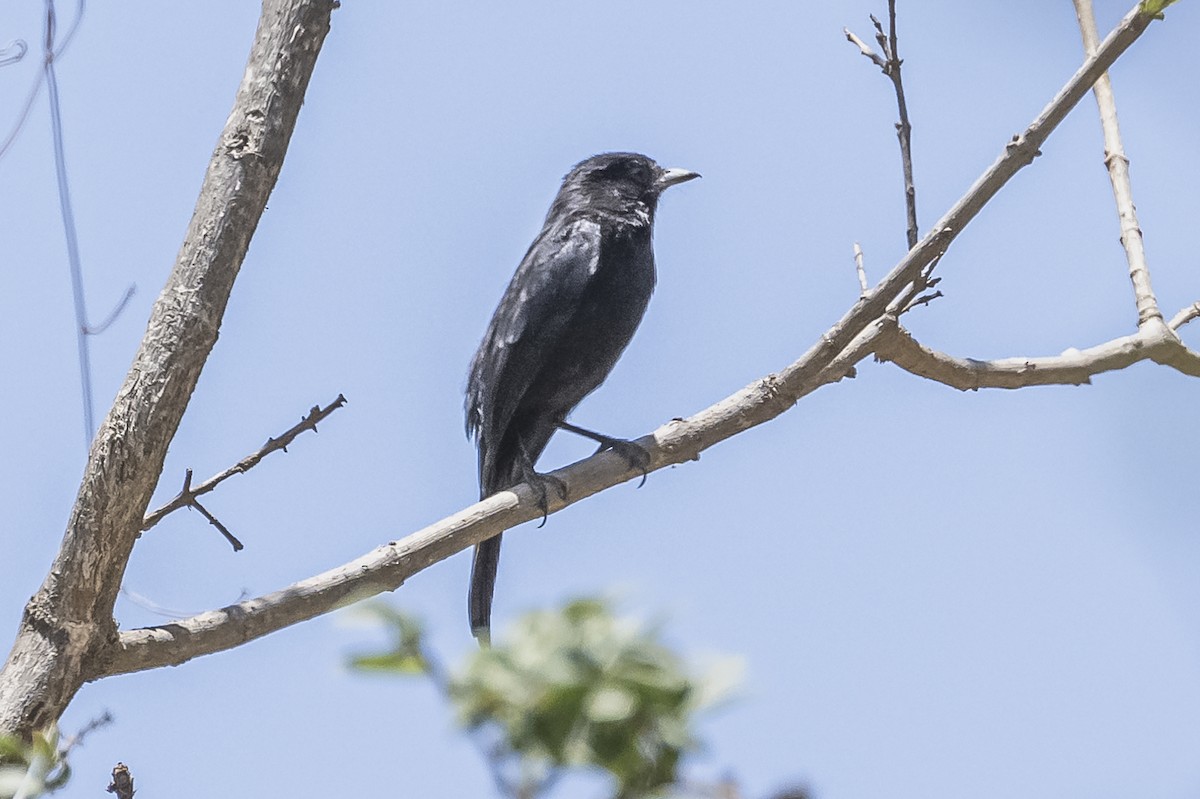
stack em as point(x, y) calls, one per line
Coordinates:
point(631, 452)
point(541, 485)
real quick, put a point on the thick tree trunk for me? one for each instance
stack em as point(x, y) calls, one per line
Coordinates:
point(68, 625)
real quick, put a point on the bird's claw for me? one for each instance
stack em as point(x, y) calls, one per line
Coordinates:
point(539, 483)
point(632, 453)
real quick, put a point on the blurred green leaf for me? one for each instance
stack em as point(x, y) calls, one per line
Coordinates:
point(36, 766)
point(401, 663)
point(406, 656)
point(577, 687)
point(581, 687)
point(1155, 7)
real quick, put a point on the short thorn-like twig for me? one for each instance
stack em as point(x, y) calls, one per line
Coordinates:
point(865, 49)
point(187, 496)
point(924, 299)
point(215, 522)
point(858, 267)
point(122, 782)
point(103, 720)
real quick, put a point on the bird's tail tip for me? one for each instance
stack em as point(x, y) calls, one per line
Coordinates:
point(483, 584)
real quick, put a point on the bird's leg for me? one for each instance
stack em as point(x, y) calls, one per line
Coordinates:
point(634, 454)
point(539, 482)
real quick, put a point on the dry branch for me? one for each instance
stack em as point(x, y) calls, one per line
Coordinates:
point(1152, 342)
point(890, 64)
point(856, 335)
point(188, 494)
point(1118, 173)
point(68, 624)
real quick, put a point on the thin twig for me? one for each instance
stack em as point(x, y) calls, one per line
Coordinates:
point(1118, 174)
point(924, 299)
point(858, 267)
point(215, 522)
point(103, 720)
point(1186, 315)
point(850, 339)
point(890, 64)
point(187, 495)
point(865, 49)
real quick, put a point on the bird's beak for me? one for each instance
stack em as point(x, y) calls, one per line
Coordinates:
point(670, 177)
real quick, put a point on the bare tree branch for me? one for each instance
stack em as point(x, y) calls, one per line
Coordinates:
point(187, 495)
point(890, 64)
point(865, 49)
point(69, 623)
point(388, 566)
point(1183, 317)
point(213, 520)
point(859, 333)
point(1118, 173)
point(1152, 342)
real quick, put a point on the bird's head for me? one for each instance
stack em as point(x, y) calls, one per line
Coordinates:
point(620, 182)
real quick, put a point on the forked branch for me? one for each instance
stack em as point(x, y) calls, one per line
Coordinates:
point(856, 335)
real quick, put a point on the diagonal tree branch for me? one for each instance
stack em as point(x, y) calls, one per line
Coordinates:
point(1118, 173)
point(388, 566)
point(188, 494)
point(833, 357)
point(1153, 341)
point(68, 623)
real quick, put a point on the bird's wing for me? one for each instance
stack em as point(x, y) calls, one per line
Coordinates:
point(536, 308)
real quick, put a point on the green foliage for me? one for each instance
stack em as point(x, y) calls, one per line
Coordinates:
point(582, 688)
point(576, 688)
point(31, 768)
point(406, 655)
point(1155, 8)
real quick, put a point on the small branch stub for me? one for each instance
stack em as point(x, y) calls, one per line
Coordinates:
point(122, 782)
point(858, 267)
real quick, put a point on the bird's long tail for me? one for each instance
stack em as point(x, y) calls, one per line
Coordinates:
point(510, 463)
point(483, 585)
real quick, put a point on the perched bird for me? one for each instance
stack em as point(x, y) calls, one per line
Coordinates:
point(570, 310)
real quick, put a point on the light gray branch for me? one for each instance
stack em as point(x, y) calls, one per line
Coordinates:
point(388, 566)
point(1153, 341)
point(68, 627)
point(1184, 316)
point(852, 338)
point(1118, 173)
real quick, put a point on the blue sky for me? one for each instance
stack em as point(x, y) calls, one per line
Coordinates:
point(936, 593)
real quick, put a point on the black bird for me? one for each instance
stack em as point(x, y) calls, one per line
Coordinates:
point(570, 310)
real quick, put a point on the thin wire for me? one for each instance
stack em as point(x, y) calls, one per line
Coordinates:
point(62, 48)
point(19, 125)
point(13, 52)
point(18, 48)
point(68, 218)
